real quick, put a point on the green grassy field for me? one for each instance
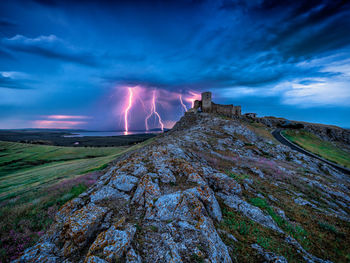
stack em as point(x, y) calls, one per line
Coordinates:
point(318, 146)
point(35, 181)
point(24, 167)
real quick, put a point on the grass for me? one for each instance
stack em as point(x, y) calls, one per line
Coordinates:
point(249, 232)
point(295, 231)
point(15, 157)
point(260, 129)
point(24, 220)
point(318, 146)
point(24, 167)
point(35, 181)
point(196, 258)
point(238, 177)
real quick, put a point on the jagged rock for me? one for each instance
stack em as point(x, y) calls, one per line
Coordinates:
point(42, 252)
point(222, 183)
point(176, 151)
point(68, 209)
point(113, 243)
point(94, 259)
point(230, 236)
point(207, 197)
point(307, 256)
point(109, 193)
point(253, 212)
point(196, 178)
point(180, 205)
point(165, 174)
point(124, 182)
point(258, 172)
point(269, 256)
point(139, 170)
point(146, 191)
point(179, 241)
point(132, 257)
point(218, 252)
point(81, 226)
point(301, 201)
point(271, 197)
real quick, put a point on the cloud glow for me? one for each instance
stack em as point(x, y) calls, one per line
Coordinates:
point(49, 124)
point(66, 117)
point(61, 121)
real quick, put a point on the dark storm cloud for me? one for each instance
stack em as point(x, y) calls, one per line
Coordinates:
point(5, 54)
point(49, 47)
point(314, 29)
point(46, 2)
point(309, 27)
point(6, 23)
point(9, 83)
point(111, 3)
point(148, 80)
point(298, 28)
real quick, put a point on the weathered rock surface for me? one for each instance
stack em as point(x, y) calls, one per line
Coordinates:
point(197, 194)
point(269, 256)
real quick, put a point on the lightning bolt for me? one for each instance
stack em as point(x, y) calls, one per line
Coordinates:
point(126, 125)
point(154, 111)
point(182, 104)
point(194, 96)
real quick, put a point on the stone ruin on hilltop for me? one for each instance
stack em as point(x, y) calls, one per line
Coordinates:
point(206, 105)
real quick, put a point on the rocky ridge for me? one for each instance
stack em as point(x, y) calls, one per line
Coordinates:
point(211, 190)
point(325, 132)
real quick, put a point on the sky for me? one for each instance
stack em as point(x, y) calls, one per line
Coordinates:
point(116, 65)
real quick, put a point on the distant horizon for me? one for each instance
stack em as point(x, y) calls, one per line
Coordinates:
point(83, 130)
point(153, 129)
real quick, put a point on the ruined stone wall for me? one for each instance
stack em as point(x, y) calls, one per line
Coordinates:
point(208, 106)
point(237, 110)
point(226, 110)
point(197, 104)
point(206, 102)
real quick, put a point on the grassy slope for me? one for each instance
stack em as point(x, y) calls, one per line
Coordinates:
point(318, 146)
point(25, 166)
point(19, 156)
point(42, 178)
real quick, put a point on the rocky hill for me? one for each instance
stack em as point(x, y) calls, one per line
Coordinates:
point(325, 132)
point(211, 190)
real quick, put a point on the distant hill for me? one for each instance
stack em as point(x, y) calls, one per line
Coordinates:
point(56, 137)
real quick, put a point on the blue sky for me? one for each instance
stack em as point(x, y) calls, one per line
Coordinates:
point(69, 64)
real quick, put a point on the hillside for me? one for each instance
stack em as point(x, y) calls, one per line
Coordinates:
point(326, 132)
point(36, 180)
point(333, 151)
point(211, 190)
point(26, 167)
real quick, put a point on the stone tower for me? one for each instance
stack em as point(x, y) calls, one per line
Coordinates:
point(206, 101)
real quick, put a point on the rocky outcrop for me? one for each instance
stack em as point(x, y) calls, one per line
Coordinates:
point(183, 199)
point(325, 132)
point(329, 133)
